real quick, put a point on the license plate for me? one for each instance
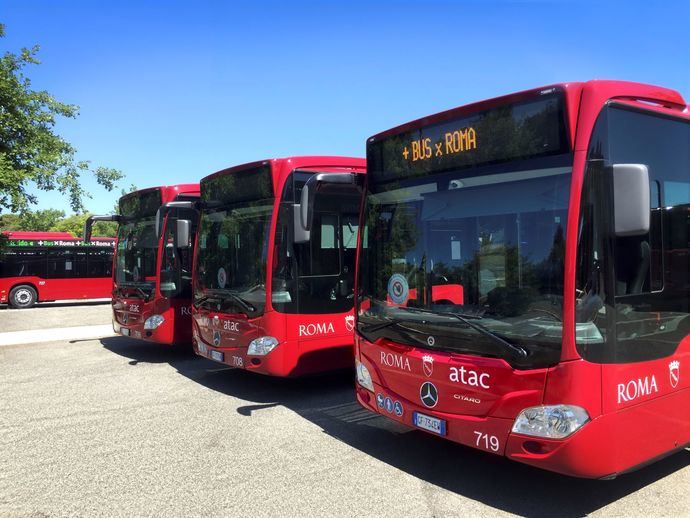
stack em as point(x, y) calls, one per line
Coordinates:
point(124, 331)
point(217, 355)
point(202, 348)
point(428, 423)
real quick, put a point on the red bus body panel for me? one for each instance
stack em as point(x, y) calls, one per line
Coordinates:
point(129, 314)
point(57, 289)
point(624, 432)
point(326, 340)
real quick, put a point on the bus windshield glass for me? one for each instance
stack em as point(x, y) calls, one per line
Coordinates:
point(233, 241)
point(466, 249)
point(137, 245)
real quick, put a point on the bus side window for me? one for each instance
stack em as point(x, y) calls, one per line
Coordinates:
point(652, 271)
point(60, 264)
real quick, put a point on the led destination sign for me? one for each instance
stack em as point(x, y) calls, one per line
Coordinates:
point(517, 131)
point(58, 243)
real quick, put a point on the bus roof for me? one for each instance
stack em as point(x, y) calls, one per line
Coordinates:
point(283, 166)
point(168, 192)
point(614, 89)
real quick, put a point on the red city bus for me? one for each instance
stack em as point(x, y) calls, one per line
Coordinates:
point(274, 265)
point(152, 279)
point(48, 266)
point(564, 215)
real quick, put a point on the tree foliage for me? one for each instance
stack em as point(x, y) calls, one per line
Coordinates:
point(31, 153)
point(53, 220)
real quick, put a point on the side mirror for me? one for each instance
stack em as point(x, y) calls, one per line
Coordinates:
point(88, 224)
point(631, 199)
point(323, 182)
point(184, 229)
point(164, 209)
point(300, 234)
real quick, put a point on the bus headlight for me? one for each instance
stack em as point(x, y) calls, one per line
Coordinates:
point(363, 376)
point(153, 322)
point(262, 346)
point(550, 421)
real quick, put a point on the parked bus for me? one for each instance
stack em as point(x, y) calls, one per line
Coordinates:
point(48, 266)
point(560, 219)
point(152, 279)
point(275, 263)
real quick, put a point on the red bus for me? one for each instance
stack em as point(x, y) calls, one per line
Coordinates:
point(43, 266)
point(152, 279)
point(563, 214)
point(275, 263)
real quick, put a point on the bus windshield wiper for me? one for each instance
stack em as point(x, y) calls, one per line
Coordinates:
point(516, 349)
point(246, 306)
point(143, 294)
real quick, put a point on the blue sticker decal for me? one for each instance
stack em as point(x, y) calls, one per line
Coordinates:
point(379, 400)
point(389, 405)
point(398, 408)
point(398, 289)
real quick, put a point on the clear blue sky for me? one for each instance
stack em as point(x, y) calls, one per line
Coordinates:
point(171, 91)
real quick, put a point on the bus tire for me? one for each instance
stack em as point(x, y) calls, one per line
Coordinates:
point(22, 297)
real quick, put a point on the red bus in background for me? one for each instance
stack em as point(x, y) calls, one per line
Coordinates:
point(274, 265)
point(152, 278)
point(48, 266)
point(564, 215)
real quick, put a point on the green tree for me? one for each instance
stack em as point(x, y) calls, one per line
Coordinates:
point(31, 153)
point(37, 221)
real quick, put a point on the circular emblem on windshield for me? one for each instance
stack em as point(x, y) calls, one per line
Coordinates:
point(398, 289)
point(428, 394)
point(216, 338)
point(222, 277)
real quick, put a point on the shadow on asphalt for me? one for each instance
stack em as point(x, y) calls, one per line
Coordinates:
point(328, 401)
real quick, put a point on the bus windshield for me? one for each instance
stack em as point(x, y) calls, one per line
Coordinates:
point(137, 243)
point(469, 259)
point(233, 240)
point(137, 250)
point(231, 262)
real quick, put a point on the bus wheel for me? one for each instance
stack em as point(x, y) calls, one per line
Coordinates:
point(22, 297)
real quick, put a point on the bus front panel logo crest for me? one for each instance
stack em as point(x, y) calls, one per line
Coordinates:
point(350, 323)
point(216, 338)
point(428, 394)
point(428, 365)
point(674, 373)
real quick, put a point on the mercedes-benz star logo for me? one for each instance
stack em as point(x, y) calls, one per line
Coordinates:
point(216, 338)
point(125, 318)
point(428, 394)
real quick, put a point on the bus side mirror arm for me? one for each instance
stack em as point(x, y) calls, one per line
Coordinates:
point(315, 184)
point(164, 209)
point(631, 199)
point(88, 224)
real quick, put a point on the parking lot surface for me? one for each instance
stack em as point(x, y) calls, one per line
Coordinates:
point(114, 426)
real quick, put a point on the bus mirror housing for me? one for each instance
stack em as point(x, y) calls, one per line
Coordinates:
point(320, 182)
point(631, 199)
point(301, 234)
point(184, 229)
point(164, 209)
point(88, 224)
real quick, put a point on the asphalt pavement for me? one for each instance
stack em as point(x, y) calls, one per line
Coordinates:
point(116, 427)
